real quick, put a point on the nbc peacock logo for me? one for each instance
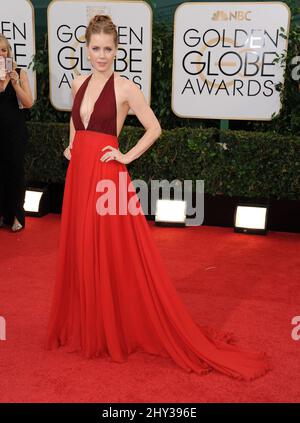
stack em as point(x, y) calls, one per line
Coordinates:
point(238, 15)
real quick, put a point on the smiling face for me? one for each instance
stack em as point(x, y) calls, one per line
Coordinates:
point(102, 51)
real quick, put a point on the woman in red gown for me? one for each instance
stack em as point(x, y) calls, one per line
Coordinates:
point(112, 295)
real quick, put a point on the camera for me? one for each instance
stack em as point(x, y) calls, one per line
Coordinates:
point(6, 65)
point(9, 64)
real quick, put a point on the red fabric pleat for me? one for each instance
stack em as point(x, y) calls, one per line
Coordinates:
point(112, 295)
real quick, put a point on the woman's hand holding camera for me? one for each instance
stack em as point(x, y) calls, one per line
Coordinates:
point(14, 77)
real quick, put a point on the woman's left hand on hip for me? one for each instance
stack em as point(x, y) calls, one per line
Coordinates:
point(113, 154)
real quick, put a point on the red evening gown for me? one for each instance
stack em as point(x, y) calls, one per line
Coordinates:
point(112, 294)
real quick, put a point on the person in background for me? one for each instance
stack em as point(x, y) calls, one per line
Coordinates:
point(15, 94)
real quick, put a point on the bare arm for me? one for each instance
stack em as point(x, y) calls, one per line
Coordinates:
point(72, 133)
point(145, 115)
point(22, 88)
point(74, 89)
point(67, 152)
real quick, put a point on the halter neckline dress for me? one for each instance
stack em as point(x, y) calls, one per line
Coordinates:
point(112, 295)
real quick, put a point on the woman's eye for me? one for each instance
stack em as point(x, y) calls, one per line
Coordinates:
point(97, 48)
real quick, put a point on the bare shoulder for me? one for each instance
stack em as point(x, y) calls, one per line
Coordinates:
point(125, 85)
point(23, 73)
point(77, 82)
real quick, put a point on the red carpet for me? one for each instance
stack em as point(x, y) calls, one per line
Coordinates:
point(241, 283)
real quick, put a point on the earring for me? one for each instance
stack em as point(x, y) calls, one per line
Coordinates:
point(89, 58)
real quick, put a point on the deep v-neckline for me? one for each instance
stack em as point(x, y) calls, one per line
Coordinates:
point(97, 100)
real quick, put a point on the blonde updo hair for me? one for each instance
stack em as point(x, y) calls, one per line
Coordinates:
point(101, 23)
point(4, 41)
